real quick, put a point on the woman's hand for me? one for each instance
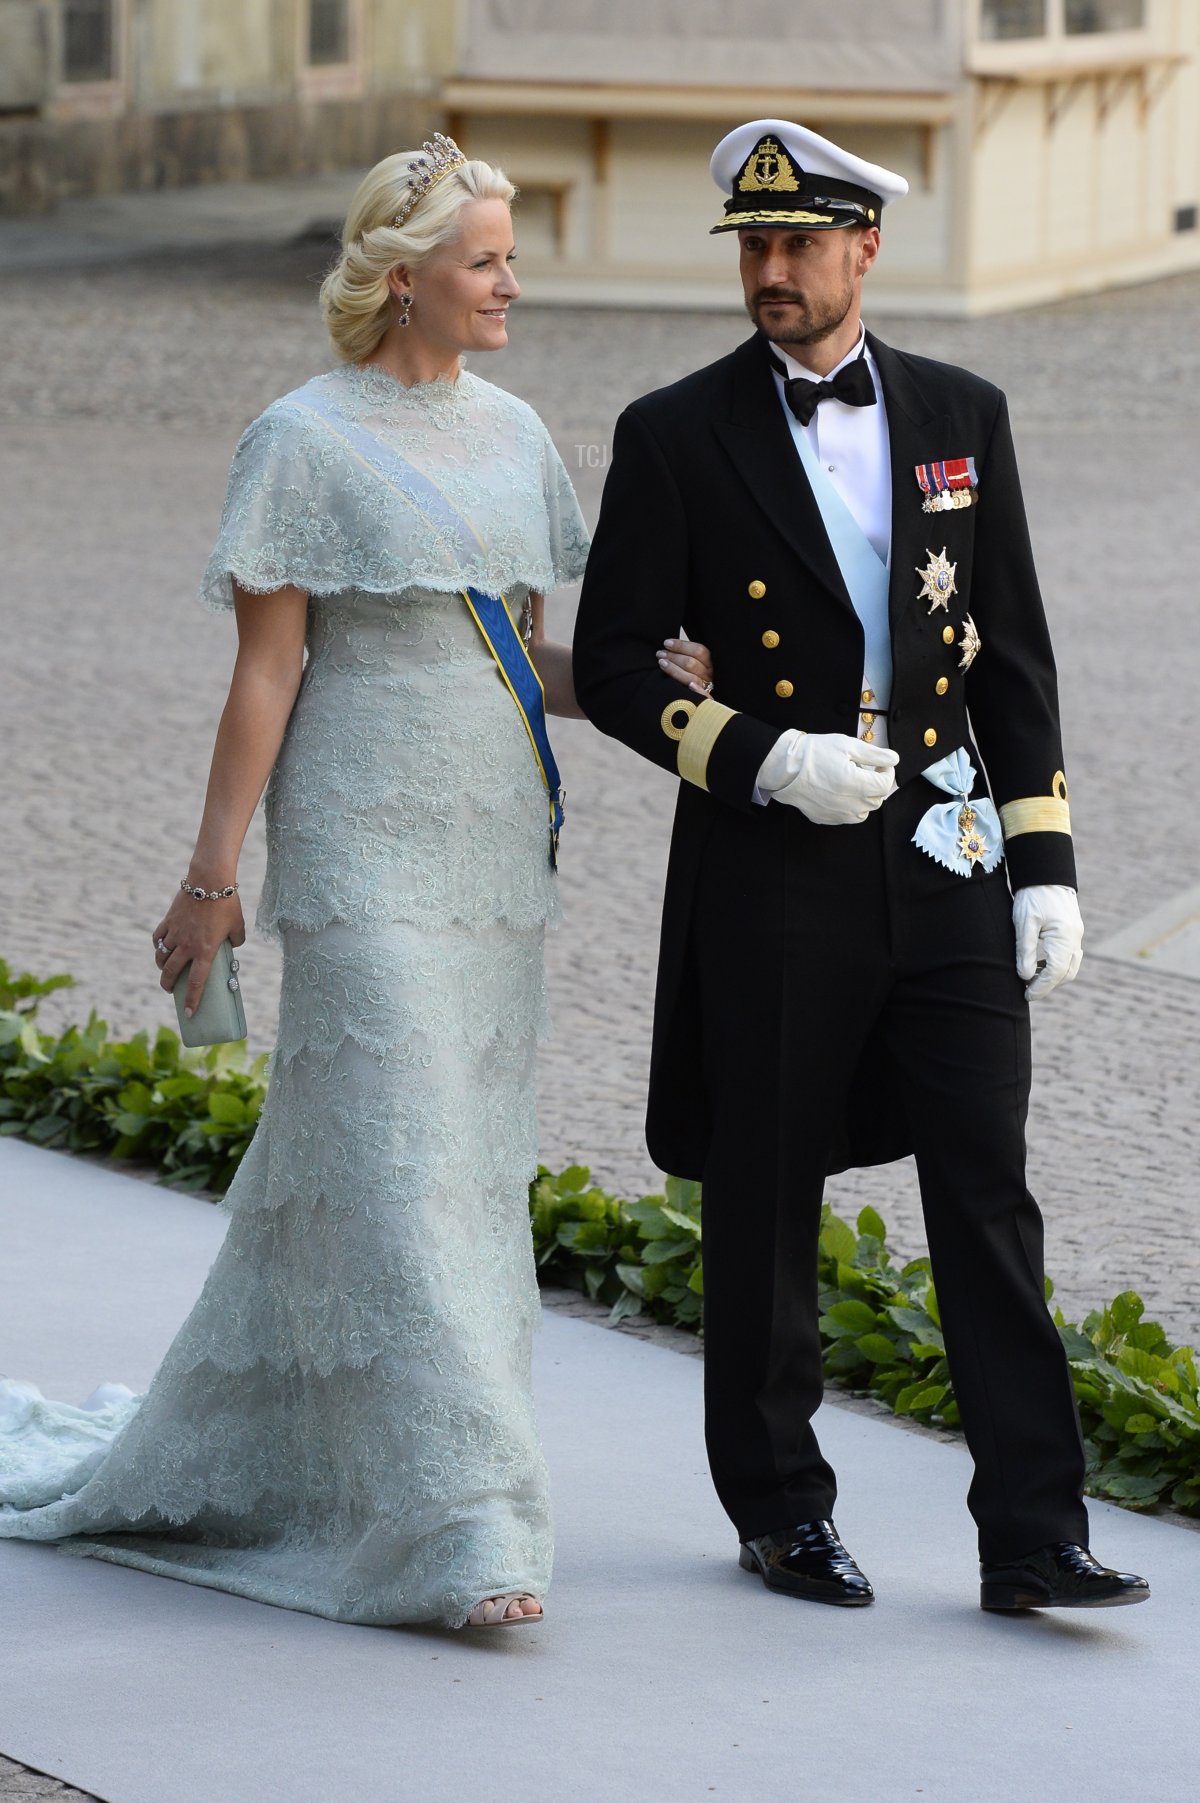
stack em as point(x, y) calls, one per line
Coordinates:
point(266, 680)
point(688, 662)
point(191, 931)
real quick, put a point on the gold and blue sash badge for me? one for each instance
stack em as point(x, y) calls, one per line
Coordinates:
point(490, 613)
point(948, 484)
point(965, 831)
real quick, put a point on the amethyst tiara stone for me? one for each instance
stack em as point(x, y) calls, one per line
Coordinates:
point(439, 155)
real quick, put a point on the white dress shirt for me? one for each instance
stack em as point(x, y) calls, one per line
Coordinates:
point(852, 443)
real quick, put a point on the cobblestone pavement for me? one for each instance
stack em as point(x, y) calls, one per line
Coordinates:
point(20, 1785)
point(122, 392)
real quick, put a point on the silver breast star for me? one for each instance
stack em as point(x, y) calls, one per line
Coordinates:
point(969, 643)
point(938, 580)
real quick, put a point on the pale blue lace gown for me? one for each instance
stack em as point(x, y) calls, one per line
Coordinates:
point(344, 1423)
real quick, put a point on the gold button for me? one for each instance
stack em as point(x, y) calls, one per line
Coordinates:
point(757, 590)
point(930, 736)
point(868, 719)
point(947, 635)
point(943, 683)
point(770, 640)
point(783, 689)
point(868, 694)
point(869, 736)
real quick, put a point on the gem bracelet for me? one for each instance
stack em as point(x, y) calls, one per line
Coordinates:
point(207, 894)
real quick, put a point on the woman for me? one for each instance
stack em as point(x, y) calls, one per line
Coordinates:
point(344, 1424)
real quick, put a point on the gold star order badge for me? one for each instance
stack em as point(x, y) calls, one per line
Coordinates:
point(938, 580)
point(972, 845)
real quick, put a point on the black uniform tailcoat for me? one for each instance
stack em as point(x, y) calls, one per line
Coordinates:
point(708, 521)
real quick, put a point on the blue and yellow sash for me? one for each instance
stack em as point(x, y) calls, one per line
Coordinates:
point(489, 612)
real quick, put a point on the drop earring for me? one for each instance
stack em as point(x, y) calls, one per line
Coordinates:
point(405, 309)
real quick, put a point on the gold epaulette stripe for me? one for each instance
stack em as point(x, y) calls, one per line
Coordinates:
point(1035, 814)
point(699, 736)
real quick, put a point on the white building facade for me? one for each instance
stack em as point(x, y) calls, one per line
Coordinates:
point(1051, 146)
point(102, 96)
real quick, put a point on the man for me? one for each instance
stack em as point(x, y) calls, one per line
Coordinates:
point(843, 973)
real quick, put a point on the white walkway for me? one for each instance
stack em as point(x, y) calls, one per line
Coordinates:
point(662, 1673)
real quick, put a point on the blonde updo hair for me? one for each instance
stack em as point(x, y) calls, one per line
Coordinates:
point(356, 302)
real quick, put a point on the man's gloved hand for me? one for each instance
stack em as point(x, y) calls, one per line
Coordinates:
point(1049, 926)
point(834, 780)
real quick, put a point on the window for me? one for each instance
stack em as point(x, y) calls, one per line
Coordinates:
point(1056, 18)
point(1104, 15)
point(1013, 19)
point(88, 40)
point(328, 31)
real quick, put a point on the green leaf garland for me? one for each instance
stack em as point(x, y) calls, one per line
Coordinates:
point(192, 1114)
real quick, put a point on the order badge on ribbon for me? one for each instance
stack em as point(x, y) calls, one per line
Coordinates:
point(960, 833)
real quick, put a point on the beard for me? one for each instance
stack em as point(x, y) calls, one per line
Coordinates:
point(812, 317)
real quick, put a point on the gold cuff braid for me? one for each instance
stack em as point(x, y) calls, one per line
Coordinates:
point(699, 736)
point(1035, 814)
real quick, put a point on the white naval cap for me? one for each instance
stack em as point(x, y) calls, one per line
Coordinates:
point(777, 173)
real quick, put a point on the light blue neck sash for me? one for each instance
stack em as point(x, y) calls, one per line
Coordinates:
point(962, 832)
point(489, 612)
point(865, 576)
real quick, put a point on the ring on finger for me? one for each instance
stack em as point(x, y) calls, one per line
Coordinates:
point(160, 945)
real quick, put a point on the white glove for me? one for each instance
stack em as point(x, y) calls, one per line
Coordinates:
point(834, 780)
point(1049, 926)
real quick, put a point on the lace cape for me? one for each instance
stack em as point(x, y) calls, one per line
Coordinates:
point(302, 508)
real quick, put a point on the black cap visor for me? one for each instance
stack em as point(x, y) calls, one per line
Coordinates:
point(830, 206)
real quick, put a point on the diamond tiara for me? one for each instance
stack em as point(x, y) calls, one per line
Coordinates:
point(439, 155)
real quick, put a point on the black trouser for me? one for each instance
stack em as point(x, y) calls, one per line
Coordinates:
point(817, 948)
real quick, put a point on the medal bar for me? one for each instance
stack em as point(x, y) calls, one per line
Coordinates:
point(947, 484)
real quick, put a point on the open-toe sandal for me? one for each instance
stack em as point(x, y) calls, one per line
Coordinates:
point(491, 1612)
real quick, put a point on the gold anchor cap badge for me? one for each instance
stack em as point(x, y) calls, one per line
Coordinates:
point(769, 166)
point(938, 580)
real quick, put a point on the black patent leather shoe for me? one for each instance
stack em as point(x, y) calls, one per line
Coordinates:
point(808, 1561)
point(1061, 1576)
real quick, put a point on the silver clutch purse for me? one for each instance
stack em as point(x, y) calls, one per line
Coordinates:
point(220, 1016)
